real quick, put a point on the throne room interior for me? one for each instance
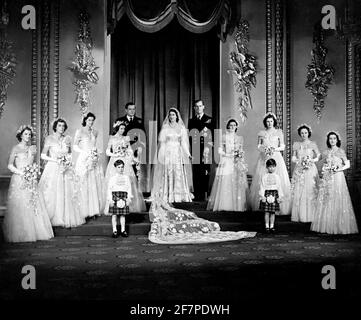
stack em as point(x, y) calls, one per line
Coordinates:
point(173, 63)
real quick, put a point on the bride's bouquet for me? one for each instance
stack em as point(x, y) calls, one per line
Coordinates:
point(306, 163)
point(65, 162)
point(92, 159)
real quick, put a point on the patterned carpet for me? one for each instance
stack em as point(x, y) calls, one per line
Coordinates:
point(133, 269)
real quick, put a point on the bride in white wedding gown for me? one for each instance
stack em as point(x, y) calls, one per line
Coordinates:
point(170, 184)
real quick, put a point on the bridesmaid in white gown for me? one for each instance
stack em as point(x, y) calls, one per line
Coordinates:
point(270, 145)
point(305, 176)
point(119, 148)
point(89, 169)
point(26, 218)
point(334, 212)
point(58, 183)
point(230, 186)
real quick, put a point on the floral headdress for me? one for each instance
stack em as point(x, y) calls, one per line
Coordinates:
point(269, 114)
point(334, 132)
point(305, 125)
point(23, 127)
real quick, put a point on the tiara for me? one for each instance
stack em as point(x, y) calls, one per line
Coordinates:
point(118, 123)
point(305, 125)
point(234, 120)
point(173, 109)
point(23, 127)
point(334, 132)
point(269, 114)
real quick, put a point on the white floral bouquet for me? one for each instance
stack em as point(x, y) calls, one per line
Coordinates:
point(268, 151)
point(65, 162)
point(30, 182)
point(92, 159)
point(238, 154)
point(239, 160)
point(31, 176)
point(122, 149)
point(306, 163)
point(329, 168)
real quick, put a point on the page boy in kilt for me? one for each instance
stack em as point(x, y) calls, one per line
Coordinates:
point(270, 195)
point(119, 195)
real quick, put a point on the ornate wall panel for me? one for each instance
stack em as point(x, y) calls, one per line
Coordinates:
point(279, 61)
point(269, 53)
point(358, 109)
point(56, 33)
point(288, 90)
point(45, 64)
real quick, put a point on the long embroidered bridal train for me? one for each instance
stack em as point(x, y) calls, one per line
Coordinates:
point(176, 226)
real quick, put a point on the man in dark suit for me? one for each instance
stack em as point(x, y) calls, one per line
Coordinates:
point(134, 128)
point(132, 122)
point(201, 132)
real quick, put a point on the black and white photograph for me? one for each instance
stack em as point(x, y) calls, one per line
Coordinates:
point(180, 158)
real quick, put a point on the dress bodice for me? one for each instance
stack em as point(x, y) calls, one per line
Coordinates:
point(22, 158)
point(271, 138)
point(85, 139)
point(305, 149)
point(232, 142)
point(58, 147)
point(335, 157)
point(173, 137)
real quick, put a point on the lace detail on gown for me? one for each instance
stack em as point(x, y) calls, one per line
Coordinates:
point(171, 177)
point(26, 218)
point(60, 186)
point(334, 213)
point(176, 226)
point(90, 173)
point(304, 183)
point(230, 186)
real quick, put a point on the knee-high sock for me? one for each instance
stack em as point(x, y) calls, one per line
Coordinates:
point(122, 223)
point(114, 223)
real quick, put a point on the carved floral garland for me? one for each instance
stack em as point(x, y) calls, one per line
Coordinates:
point(7, 59)
point(244, 67)
point(319, 73)
point(83, 66)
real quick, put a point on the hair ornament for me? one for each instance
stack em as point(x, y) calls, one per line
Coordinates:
point(25, 126)
point(270, 114)
point(304, 125)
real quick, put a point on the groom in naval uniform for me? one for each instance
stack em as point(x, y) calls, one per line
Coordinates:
point(201, 132)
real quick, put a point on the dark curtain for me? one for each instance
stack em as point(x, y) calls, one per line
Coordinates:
point(172, 67)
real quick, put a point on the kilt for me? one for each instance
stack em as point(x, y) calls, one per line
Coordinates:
point(270, 207)
point(116, 196)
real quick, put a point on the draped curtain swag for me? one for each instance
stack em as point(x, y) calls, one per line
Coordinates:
point(196, 16)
